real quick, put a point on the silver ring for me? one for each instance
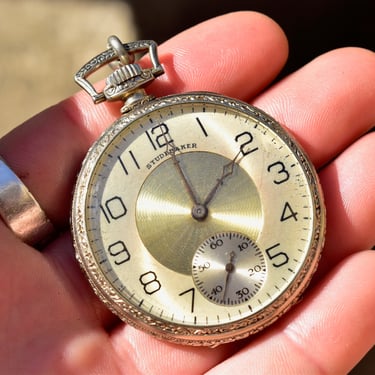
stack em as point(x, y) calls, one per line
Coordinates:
point(20, 211)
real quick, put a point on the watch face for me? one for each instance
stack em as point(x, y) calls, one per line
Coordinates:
point(198, 219)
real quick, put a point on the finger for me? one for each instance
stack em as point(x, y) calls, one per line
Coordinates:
point(349, 185)
point(143, 353)
point(328, 333)
point(46, 152)
point(50, 322)
point(328, 103)
point(53, 280)
point(248, 55)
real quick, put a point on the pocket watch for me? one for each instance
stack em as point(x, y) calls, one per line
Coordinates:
point(195, 217)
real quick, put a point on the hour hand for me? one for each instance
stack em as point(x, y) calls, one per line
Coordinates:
point(228, 170)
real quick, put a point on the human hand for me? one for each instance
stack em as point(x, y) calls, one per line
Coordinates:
point(50, 320)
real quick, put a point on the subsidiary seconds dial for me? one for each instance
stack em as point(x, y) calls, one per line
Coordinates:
point(228, 268)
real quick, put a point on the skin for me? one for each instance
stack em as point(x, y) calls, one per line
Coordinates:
point(50, 321)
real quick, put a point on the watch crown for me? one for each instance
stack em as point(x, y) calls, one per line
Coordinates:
point(124, 73)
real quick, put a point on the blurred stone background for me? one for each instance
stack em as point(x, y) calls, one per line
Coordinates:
point(44, 42)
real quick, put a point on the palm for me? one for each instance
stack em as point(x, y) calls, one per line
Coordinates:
point(50, 321)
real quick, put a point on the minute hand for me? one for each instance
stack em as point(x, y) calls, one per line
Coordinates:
point(189, 189)
point(228, 170)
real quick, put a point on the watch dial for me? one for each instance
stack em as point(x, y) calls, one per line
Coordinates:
point(198, 219)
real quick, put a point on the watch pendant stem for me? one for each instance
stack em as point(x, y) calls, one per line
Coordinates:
point(138, 97)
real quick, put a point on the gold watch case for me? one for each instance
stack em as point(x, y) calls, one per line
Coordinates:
point(198, 219)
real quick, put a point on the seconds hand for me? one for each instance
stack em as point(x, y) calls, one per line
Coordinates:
point(229, 268)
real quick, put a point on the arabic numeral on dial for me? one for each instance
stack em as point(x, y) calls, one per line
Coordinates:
point(215, 244)
point(242, 293)
point(243, 246)
point(283, 174)
point(217, 290)
point(246, 138)
point(202, 126)
point(279, 258)
point(150, 282)
point(122, 163)
point(120, 252)
point(288, 213)
point(159, 136)
point(192, 291)
point(254, 270)
point(113, 209)
point(204, 266)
